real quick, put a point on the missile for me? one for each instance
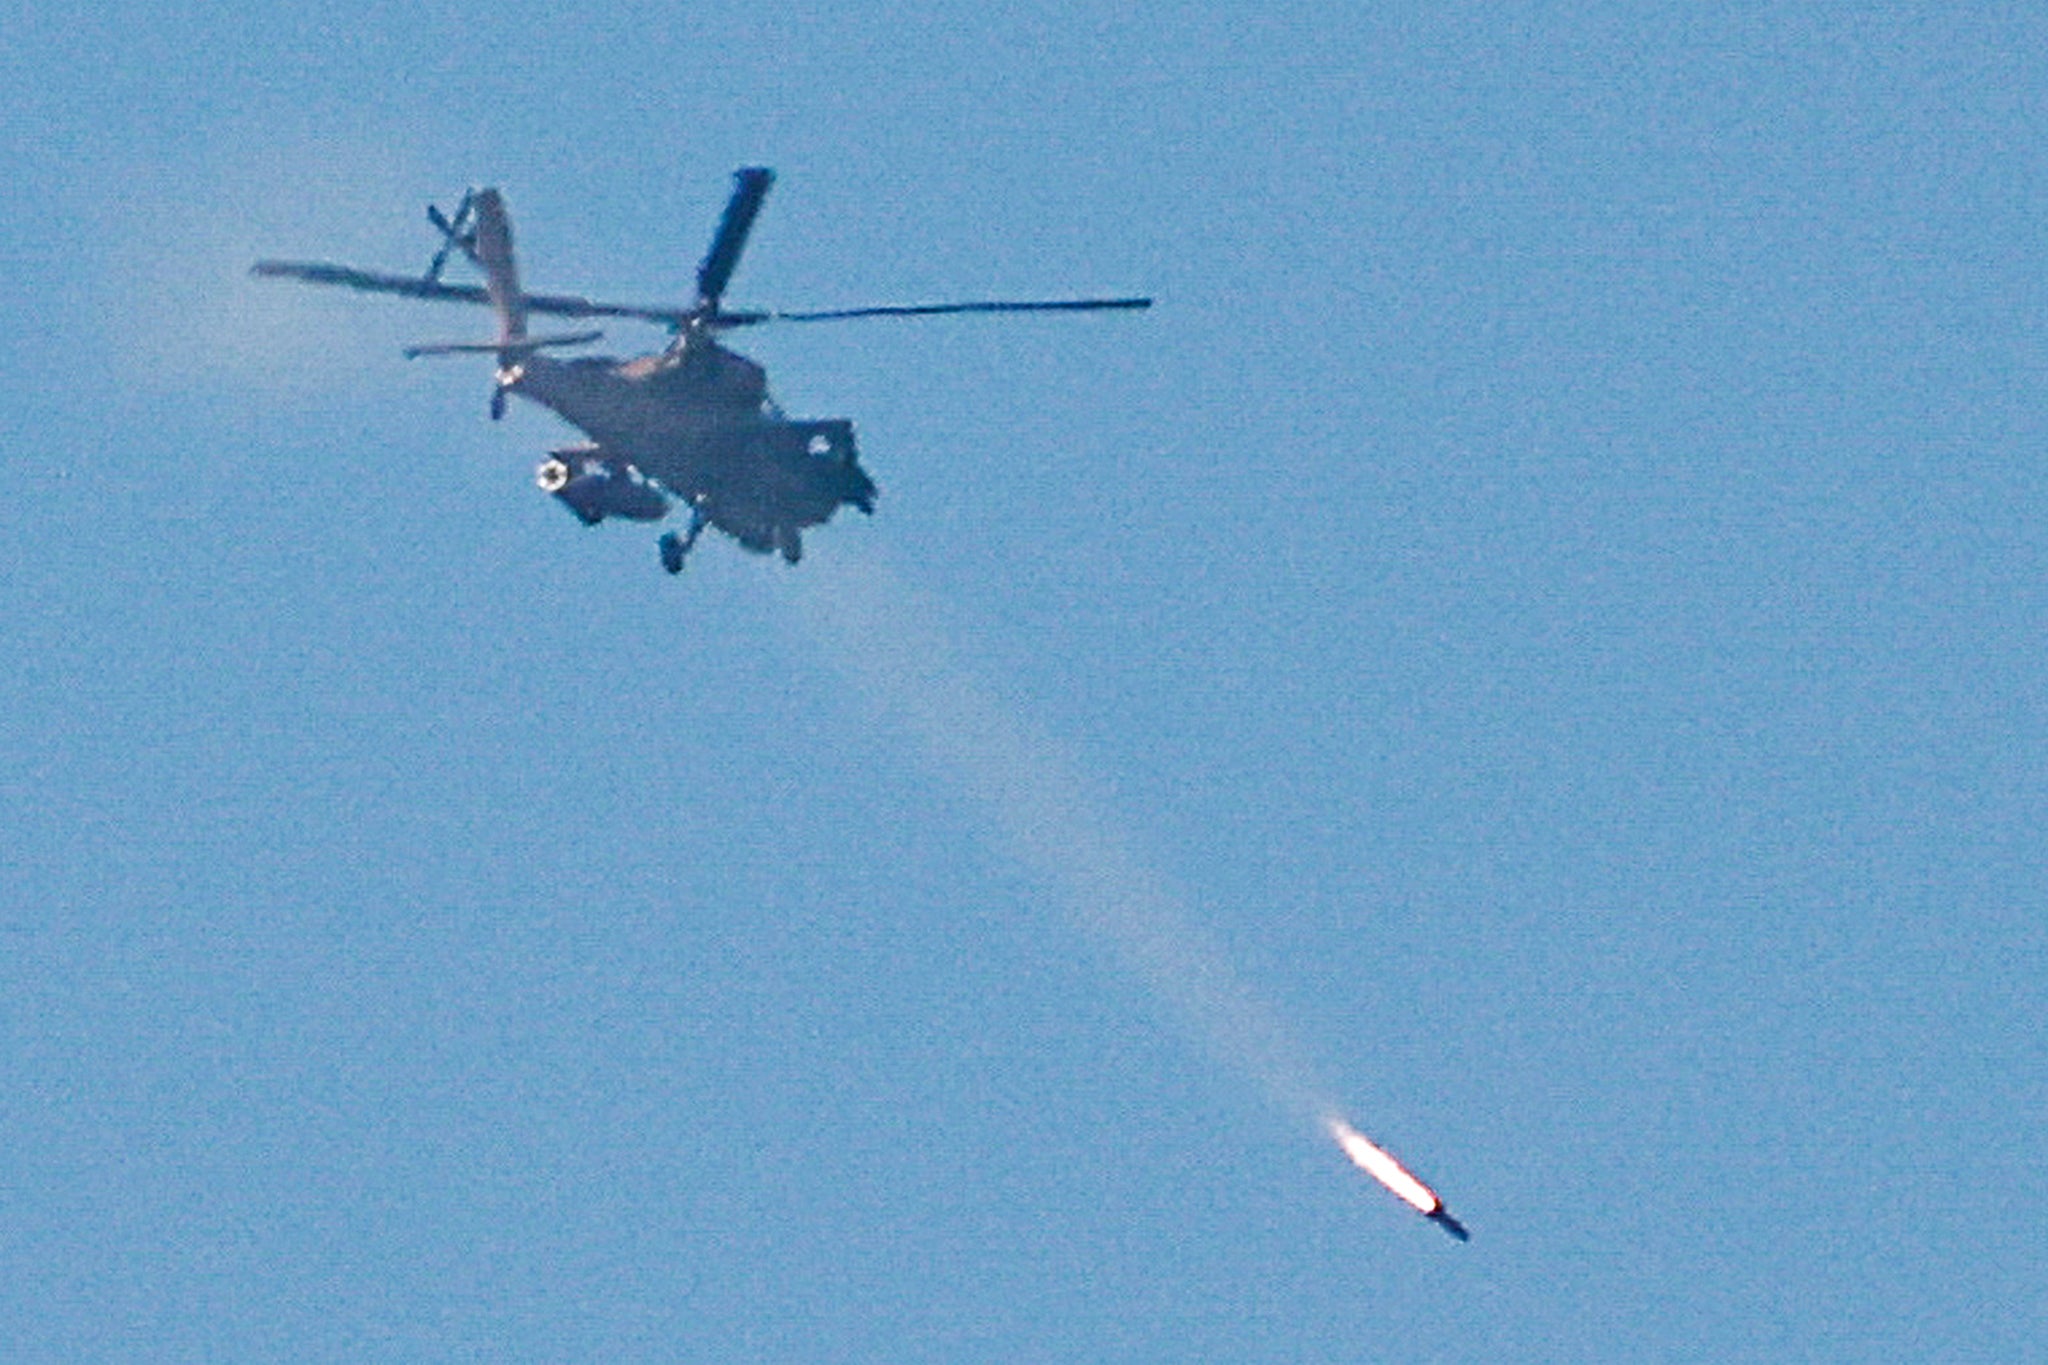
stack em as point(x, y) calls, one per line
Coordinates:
point(1379, 1163)
point(1441, 1216)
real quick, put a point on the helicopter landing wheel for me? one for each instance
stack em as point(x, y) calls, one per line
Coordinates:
point(675, 547)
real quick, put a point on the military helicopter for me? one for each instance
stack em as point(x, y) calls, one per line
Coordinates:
point(691, 423)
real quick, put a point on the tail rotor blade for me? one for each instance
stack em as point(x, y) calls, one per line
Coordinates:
point(750, 187)
point(452, 232)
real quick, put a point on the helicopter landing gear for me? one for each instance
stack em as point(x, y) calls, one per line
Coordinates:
point(675, 547)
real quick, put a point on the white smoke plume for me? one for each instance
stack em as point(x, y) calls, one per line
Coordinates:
point(1041, 808)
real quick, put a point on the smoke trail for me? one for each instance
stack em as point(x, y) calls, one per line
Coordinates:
point(1042, 810)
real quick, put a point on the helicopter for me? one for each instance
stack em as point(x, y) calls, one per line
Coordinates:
point(690, 424)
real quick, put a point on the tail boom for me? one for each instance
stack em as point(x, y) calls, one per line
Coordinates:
point(501, 272)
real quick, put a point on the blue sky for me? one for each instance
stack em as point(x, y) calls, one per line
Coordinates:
point(1540, 628)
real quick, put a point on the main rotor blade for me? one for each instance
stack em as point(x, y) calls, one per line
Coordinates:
point(925, 310)
point(750, 187)
point(576, 306)
point(413, 287)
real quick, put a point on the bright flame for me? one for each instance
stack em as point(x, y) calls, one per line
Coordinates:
point(1382, 1167)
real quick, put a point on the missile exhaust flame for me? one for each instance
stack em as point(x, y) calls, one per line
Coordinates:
point(1378, 1163)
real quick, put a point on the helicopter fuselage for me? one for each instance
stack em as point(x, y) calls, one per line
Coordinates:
point(698, 422)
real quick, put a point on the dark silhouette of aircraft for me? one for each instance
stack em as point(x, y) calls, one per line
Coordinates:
point(692, 423)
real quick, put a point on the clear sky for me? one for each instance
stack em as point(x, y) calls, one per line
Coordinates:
point(1536, 641)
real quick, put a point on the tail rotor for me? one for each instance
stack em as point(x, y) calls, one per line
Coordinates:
point(457, 234)
point(482, 231)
